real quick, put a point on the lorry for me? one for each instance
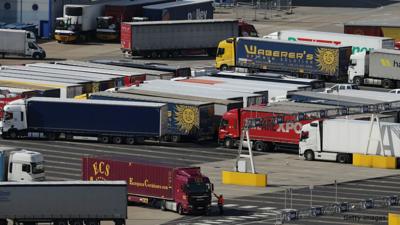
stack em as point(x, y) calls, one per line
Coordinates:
point(359, 43)
point(338, 139)
point(170, 187)
point(63, 202)
point(78, 22)
point(380, 67)
point(156, 39)
point(20, 43)
point(387, 27)
point(21, 165)
point(187, 119)
point(109, 24)
point(301, 59)
point(116, 121)
point(270, 136)
point(181, 10)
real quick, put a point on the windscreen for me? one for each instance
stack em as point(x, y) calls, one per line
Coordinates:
point(73, 11)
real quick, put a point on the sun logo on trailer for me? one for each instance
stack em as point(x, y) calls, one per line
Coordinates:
point(327, 60)
point(186, 118)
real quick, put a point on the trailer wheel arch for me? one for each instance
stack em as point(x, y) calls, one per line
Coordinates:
point(117, 140)
point(309, 155)
point(130, 140)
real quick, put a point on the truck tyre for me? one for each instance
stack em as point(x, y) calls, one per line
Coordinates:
point(13, 134)
point(179, 209)
point(387, 84)
point(130, 140)
point(228, 142)
point(224, 67)
point(163, 205)
point(358, 81)
point(3, 222)
point(36, 56)
point(60, 222)
point(117, 140)
point(175, 138)
point(154, 55)
point(309, 155)
point(104, 139)
point(119, 222)
point(76, 222)
point(92, 222)
point(343, 158)
point(259, 146)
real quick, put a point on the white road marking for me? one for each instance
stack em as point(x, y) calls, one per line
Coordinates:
point(230, 205)
point(267, 208)
point(247, 207)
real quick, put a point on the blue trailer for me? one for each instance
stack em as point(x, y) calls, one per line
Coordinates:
point(186, 119)
point(107, 121)
point(312, 60)
point(181, 10)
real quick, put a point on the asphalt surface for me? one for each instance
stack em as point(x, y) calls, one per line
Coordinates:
point(268, 208)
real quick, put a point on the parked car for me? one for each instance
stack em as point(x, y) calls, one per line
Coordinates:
point(338, 87)
point(395, 91)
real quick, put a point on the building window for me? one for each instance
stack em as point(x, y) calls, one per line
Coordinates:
point(35, 7)
point(7, 5)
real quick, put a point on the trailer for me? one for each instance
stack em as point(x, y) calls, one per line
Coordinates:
point(387, 27)
point(269, 136)
point(63, 202)
point(52, 118)
point(155, 39)
point(109, 24)
point(338, 139)
point(359, 43)
point(313, 60)
point(20, 43)
point(180, 189)
point(187, 119)
point(181, 10)
point(379, 67)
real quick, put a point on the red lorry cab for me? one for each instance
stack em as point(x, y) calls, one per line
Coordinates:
point(181, 189)
point(277, 128)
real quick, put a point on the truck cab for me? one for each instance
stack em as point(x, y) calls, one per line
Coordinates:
point(14, 119)
point(225, 58)
point(358, 68)
point(228, 129)
point(107, 28)
point(21, 165)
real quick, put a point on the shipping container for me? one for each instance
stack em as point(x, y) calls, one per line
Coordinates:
point(181, 10)
point(107, 121)
point(314, 60)
point(180, 189)
point(60, 202)
point(186, 119)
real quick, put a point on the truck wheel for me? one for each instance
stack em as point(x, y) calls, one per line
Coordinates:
point(259, 146)
point(343, 158)
point(119, 222)
point(309, 155)
point(75, 222)
point(117, 140)
point(130, 140)
point(13, 134)
point(154, 55)
point(36, 56)
point(104, 139)
point(180, 209)
point(358, 81)
point(175, 138)
point(60, 222)
point(92, 222)
point(387, 84)
point(223, 67)
point(228, 143)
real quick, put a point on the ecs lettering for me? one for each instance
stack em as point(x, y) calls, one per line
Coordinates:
point(101, 168)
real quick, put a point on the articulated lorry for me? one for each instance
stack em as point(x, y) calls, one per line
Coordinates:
point(338, 139)
point(109, 24)
point(387, 27)
point(269, 136)
point(107, 121)
point(156, 39)
point(359, 43)
point(78, 22)
point(20, 43)
point(180, 189)
point(380, 67)
point(314, 60)
point(63, 202)
point(20, 165)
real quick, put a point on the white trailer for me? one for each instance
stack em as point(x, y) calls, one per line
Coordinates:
point(359, 43)
point(63, 202)
point(20, 43)
point(78, 22)
point(338, 139)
